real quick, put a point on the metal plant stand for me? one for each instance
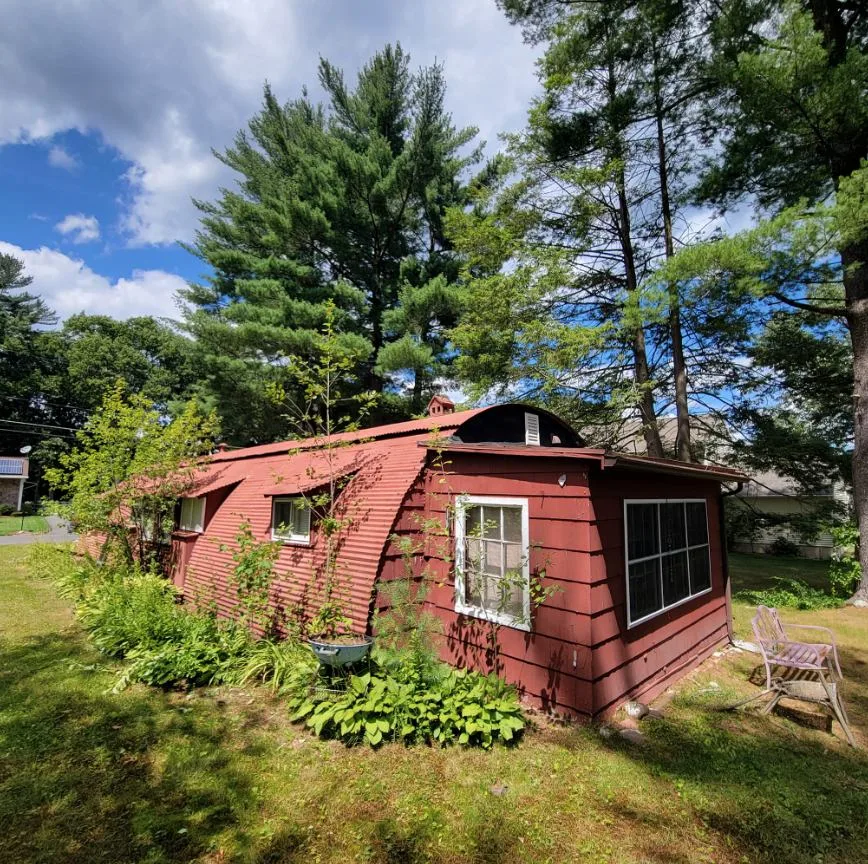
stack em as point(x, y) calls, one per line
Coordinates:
point(331, 681)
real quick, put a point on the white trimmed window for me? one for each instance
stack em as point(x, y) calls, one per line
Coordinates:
point(290, 520)
point(192, 515)
point(667, 551)
point(492, 575)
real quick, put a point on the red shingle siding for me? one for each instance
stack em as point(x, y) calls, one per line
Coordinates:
point(580, 656)
point(552, 665)
point(638, 661)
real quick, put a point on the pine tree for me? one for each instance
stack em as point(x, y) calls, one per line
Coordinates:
point(793, 123)
point(25, 361)
point(341, 202)
point(607, 159)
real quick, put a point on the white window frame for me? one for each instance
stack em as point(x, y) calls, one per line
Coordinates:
point(463, 608)
point(289, 539)
point(661, 554)
point(198, 522)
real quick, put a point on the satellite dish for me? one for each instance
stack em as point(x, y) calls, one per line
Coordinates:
point(25, 449)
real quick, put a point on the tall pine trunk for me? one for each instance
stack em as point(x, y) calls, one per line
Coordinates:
point(828, 20)
point(683, 444)
point(641, 371)
point(853, 259)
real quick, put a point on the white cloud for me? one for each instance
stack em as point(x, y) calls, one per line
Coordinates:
point(69, 286)
point(60, 158)
point(79, 228)
point(165, 81)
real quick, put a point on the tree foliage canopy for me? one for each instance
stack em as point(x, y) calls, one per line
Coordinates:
point(341, 202)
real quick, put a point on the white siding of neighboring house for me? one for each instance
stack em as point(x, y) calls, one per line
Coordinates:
point(768, 492)
point(772, 495)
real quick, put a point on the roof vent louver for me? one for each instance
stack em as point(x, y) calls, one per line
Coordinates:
point(531, 429)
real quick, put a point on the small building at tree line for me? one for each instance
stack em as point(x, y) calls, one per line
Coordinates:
point(625, 552)
point(13, 476)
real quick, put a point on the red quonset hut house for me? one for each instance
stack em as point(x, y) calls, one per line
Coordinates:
point(634, 546)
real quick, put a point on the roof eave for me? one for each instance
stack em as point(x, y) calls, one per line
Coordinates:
point(676, 468)
point(606, 459)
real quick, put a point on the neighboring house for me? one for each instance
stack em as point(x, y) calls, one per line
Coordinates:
point(768, 495)
point(771, 497)
point(13, 474)
point(633, 545)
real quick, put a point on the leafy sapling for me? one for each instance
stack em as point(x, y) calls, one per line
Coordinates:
point(327, 387)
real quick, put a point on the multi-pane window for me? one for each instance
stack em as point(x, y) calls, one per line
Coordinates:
point(667, 555)
point(290, 520)
point(192, 514)
point(492, 575)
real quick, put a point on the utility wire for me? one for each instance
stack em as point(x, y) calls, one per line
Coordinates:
point(40, 425)
point(30, 400)
point(4, 431)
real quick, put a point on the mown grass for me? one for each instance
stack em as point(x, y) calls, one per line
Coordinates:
point(759, 572)
point(12, 524)
point(222, 776)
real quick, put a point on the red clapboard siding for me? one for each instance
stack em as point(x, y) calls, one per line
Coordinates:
point(579, 533)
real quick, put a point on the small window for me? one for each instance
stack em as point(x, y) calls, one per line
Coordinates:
point(667, 555)
point(192, 514)
point(290, 520)
point(491, 566)
point(150, 524)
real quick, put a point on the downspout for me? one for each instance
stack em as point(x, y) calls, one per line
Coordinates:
point(724, 556)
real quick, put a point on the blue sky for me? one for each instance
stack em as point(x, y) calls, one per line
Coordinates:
point(109, 111)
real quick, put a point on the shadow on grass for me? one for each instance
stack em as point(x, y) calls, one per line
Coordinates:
point(86, 776)
point(773, 795)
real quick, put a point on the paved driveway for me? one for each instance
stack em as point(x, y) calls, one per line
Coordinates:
point(58, 533)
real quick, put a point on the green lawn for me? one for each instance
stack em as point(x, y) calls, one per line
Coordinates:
point(757, 572)
point(12, 524)
point(221, 775)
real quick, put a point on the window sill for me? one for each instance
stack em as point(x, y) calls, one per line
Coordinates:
point(650, 617)
point(492, 617)
point(289, 541)
point(184, 534)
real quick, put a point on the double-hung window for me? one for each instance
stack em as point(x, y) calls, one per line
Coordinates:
point(492, 575)
point(192, 516)
point(667, 552)
point(290, 520)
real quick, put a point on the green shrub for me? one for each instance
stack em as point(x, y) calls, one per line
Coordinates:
point(407, 696)
point(792, 593)
point(202, 653)
point(6, 509)
point(783, 547)
point(844, 569)
point(283, 666)
point(460, 707)
point(131, 611)
point(136, 616)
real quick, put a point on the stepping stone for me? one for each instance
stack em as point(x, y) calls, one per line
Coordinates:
point(634, 736)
